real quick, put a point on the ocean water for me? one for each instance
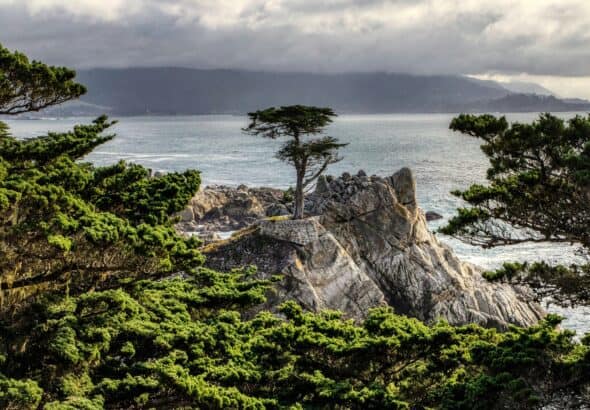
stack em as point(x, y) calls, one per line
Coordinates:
point(379, 144)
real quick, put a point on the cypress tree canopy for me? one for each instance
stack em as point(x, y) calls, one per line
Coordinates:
point(309, 157)
point(31, 85)
point(538, 191)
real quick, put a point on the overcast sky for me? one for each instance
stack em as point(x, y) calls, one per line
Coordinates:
point(532, 40)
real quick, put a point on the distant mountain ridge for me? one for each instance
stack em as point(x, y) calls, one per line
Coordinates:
point(170, 90)
point(523, 87)
point(530, 103)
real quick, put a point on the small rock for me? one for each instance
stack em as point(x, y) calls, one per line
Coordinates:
point(322, 185)
point(186, 215)
point(433, 216)
point(361, 173)
point(277, 210)
point(405, 186)
point(345, 176)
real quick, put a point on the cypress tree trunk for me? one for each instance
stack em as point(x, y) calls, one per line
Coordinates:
point(298, 214)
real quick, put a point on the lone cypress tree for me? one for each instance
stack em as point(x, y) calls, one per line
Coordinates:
point(310, 158)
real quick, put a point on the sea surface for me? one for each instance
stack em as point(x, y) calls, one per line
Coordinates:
point(441, 160)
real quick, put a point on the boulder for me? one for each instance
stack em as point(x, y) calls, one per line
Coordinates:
point(404, 184)
point(223, 208)
point(277, 210)
point(433, 216)
point(187, 215)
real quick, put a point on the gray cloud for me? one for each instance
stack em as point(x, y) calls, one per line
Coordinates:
point(548, 38)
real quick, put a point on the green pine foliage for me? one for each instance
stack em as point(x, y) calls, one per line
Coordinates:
point(538, 181)
point(66, 223)
point(182, 343)
point(27, 86)
point(537, 191)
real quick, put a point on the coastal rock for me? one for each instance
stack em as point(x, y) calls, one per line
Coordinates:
point(277, 210)
point(316, 270)
point(223, 208)
point(405, 187)
point(366, 244)
point(432, 216)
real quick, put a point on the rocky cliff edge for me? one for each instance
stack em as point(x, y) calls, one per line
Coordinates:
point(365, 244)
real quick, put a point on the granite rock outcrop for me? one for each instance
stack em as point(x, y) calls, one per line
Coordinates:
point(365, 243)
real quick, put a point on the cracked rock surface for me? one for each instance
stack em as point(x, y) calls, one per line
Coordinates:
point(366, 244)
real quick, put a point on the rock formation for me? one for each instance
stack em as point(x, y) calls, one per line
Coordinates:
point(222, 208)
point(316, 271)
point(367, 243)
point(433, 216)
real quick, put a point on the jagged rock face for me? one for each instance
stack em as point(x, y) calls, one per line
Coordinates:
point(369, 244)
point(316, 270)
point(386, 234)
point(222, 208)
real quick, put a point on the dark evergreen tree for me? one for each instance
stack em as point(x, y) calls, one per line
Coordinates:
point(309, 157)
point(539, 190)
point(27, 86)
